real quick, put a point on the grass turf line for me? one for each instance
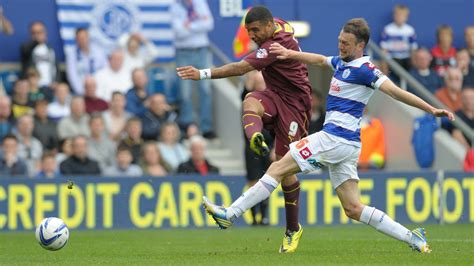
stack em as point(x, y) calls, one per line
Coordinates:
point(355, 245)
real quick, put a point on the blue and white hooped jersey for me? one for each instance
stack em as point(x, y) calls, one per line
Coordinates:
point(352, 85)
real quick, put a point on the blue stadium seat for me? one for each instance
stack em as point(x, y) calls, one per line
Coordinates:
point(163, 80)
point(8, 78)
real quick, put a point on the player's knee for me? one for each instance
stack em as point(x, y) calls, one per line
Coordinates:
point(275, 171)
point(253, 105)
point(353, 210)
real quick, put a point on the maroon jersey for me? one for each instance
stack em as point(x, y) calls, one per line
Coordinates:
point(287, 78)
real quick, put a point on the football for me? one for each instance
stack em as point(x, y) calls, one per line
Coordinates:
point(52, 233)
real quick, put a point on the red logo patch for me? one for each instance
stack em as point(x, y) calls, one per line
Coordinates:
point(335, 88)
point(370, 65)
point(305, 153)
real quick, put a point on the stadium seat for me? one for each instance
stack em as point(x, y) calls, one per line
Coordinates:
point(163, 80)
point(8, 78)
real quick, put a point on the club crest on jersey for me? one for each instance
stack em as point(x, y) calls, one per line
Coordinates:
point(346, 73)
point(262, 53)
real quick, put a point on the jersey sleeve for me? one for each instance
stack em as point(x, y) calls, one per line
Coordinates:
point(261, 57)
point(332, 61)
point(372, 76)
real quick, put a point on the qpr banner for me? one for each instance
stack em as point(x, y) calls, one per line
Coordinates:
point(108, 20)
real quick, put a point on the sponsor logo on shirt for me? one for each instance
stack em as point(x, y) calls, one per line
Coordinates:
point(315, 163)
point(334, 87)
point(262, 53)
point(305, 153)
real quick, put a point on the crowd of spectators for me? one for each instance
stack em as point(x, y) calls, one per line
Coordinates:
point(444, 70)
point(99, 117)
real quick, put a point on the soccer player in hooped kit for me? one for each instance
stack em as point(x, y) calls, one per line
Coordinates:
point(284, 107)
point(338, 145)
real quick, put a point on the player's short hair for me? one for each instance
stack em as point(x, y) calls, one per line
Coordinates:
point(360, 29)
point(258, 13)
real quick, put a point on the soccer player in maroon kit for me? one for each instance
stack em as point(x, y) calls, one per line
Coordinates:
point(283, 108)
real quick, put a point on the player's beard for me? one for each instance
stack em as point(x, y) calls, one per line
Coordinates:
point(347, 58)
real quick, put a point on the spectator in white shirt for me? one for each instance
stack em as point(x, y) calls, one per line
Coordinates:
point(115, 77)
point(60, 107)
point(138, 51)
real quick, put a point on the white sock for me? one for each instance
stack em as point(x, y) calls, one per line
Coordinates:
point(383, 223)
point(254, 195)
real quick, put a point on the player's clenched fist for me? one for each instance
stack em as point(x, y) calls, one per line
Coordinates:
point(188, 72)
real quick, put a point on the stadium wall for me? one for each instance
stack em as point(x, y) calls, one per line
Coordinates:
point(175, 202)
point(425, 16)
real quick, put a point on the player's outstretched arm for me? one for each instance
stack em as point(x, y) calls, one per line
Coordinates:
point(307, 58)
point(389, 88)
point(228, 70)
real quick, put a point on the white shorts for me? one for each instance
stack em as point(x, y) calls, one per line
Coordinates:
point(323, 149)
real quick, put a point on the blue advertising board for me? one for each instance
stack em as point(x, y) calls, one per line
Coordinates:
point(175, 202)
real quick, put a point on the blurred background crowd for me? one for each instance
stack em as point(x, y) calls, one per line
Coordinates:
point(98, 113)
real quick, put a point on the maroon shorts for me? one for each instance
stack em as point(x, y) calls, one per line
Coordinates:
point(285, 121)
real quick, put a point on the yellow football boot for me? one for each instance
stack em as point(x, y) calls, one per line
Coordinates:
point(291, 240)
point(258, 145)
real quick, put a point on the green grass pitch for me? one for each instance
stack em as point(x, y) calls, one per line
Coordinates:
point(343, 245)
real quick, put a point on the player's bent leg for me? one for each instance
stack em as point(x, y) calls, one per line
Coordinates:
point(348, 193)
point(283, 168)
point(252, 122)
